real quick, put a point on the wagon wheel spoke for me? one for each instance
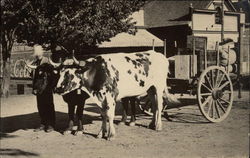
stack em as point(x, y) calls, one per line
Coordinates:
point(221, 79)
point(206, 87)
point(217, 110)
point(216, 77)
point(209, 106)
point(149, 110)
point(206, 101)
point(146, 106)
point(208, 82)
point(212, 77)
point(221, 106)
point(224, 100)
point(224, 85)
point(212, 109)
point(206, 94)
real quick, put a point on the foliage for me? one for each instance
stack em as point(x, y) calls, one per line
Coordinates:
point(71, 24)
point(13, 13)
point(75, 24)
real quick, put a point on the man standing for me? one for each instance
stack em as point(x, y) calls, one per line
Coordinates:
point(45, 104)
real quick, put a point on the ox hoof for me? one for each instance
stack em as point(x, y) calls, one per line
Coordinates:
point(110, 138)
point(158, 127)
point(76, 133)
point(67, 132)
point(151, 125)
point(167, 116)
point(100, 135)
point(132, 124)
point(121, 123)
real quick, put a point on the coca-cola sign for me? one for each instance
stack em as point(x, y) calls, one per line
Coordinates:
point(20, 54)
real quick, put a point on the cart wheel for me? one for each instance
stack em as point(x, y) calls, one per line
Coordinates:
point(145, 105)
point(215, 94)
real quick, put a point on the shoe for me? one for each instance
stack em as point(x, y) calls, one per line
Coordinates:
point(49, 129)
point(40, 128)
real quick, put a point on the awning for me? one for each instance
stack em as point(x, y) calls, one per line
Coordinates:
point(142, 38)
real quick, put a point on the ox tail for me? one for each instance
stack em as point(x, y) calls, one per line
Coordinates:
point(169, 98)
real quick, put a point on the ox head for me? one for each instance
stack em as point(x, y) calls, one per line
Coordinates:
point(71, 76)
point(69, 80)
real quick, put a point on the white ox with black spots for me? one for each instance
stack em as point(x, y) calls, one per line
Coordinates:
point(108, 78)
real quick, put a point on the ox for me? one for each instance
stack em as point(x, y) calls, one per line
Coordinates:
point(125, 102)
point(110, 77)
point(45, 78)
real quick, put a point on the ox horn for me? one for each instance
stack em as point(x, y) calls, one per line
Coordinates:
point(53, 63)
point(30, 66)
point(75, 60)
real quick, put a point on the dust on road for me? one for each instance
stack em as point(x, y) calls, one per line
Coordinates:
point(188, 135)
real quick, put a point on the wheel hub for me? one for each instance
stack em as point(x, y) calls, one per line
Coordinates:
point(217, 93)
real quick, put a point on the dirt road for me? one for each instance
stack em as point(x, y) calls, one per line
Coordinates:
point(188, 135)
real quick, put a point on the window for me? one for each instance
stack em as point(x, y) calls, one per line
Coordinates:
point(218, 16)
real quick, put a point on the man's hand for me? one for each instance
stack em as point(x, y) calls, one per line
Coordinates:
point(34, 91)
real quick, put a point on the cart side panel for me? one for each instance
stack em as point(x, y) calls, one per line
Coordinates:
point(205, 58)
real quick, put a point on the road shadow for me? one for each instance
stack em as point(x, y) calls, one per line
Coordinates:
point(32, 120)
point(187, 117)
point(16, 152)
point(92, 108)
point(118, 109)
point(181, 102)
point(6, 135)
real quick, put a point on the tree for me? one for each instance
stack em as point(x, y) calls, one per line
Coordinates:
point(13, 13)
point(70, 24)
point(76, 24)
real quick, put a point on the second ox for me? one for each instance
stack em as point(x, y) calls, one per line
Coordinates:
point(110, 77)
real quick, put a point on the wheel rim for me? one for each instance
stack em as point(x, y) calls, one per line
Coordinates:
point(215, 94)
point(145, 106)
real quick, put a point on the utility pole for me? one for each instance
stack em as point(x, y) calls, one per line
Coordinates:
point(222, 20)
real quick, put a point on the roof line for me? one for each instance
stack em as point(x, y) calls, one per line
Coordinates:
point(229, 1)
point(209, 4)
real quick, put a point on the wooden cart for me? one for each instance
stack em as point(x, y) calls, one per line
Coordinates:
point(198, 71)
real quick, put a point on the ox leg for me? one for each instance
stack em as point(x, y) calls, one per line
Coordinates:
point(158, 122)
point(71, 111)
point(79, 113)
point(103, 130)
point(111, 115)
point(125, 111)
point(132, 119)
point(154, 104)
point(155, 95)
